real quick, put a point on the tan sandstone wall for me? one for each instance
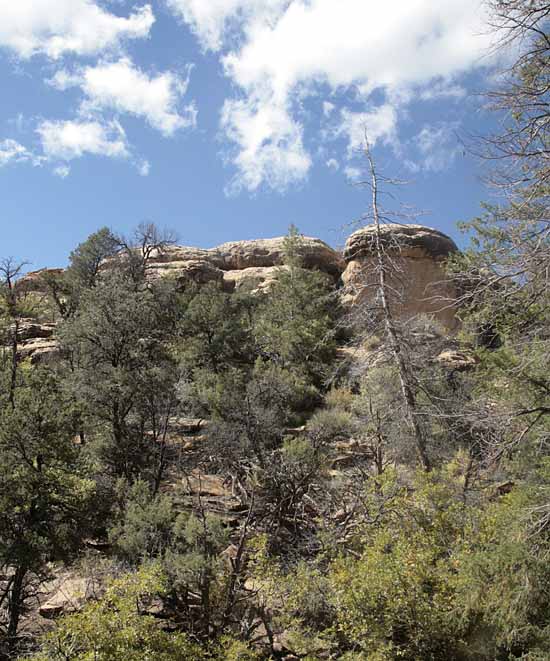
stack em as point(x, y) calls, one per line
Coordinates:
point(415, 274)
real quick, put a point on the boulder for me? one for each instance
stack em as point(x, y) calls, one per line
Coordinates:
point(201, 484)
point(412, 241)
point(457, 360)
point(70, 593)
point(185, 426)
point(415, 276)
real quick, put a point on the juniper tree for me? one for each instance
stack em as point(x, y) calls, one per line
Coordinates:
point(295, 322)
point(123, 373)
point(45, 494)
point(504, 276)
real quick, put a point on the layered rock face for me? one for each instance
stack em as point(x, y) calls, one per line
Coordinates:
point(241, 265)
point(237, 266)
point(416, 275)
point(34, 280)
point(36, 341)
point(414, 256)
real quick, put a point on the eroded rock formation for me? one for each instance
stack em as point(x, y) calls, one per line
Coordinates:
point(241, 264)
point(416, 275)
point(414, 256)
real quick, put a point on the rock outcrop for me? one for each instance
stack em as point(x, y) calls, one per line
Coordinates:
point(36, 341)
point(253, 278)
point(34, 281)
point(69, 593)
point(458, 360)
point(241, 265)
point(270, 252)
point(39, 350)
point(414, 255)
point(30, 329)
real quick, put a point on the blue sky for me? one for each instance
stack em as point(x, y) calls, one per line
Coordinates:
point(231, 119)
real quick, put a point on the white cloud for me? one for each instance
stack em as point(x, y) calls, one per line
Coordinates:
point(279, 51)
point(12, 151)
point(438, 146)
point(144, 168)
point(332, 164)
point(62, 171)
point(123, 87)
point(211, 20)
point(269, 145)
point(353, 174)
point(67, 140)
point(56, 27)
point(360, 42)
point(378, 124)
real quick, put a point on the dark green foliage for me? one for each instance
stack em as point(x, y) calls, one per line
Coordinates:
point(294, 327)
point(216, 330)
point(85, 261)
point(83, 272)
point(186, 546)
point(119, 628)
point(122, 371)
point(250, 412)
point(45, 494)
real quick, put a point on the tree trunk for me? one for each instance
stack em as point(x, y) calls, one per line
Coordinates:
point(407, 391)
point(15, 603)
point(13, 375)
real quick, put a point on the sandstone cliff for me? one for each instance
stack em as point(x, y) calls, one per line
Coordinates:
point(416, 254)
point(414, 257)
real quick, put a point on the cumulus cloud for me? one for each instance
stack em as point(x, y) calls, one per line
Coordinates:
point(57, 27)
point(122, 87)
point(212, 20)
point(67, 140)
point(279, 51)
point(269, 145)
point(332, 164)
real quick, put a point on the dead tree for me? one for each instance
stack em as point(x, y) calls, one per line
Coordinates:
point(520, 148)
point(377, 294)
point(139, 249)
point(11, 301)
point(405, 381)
